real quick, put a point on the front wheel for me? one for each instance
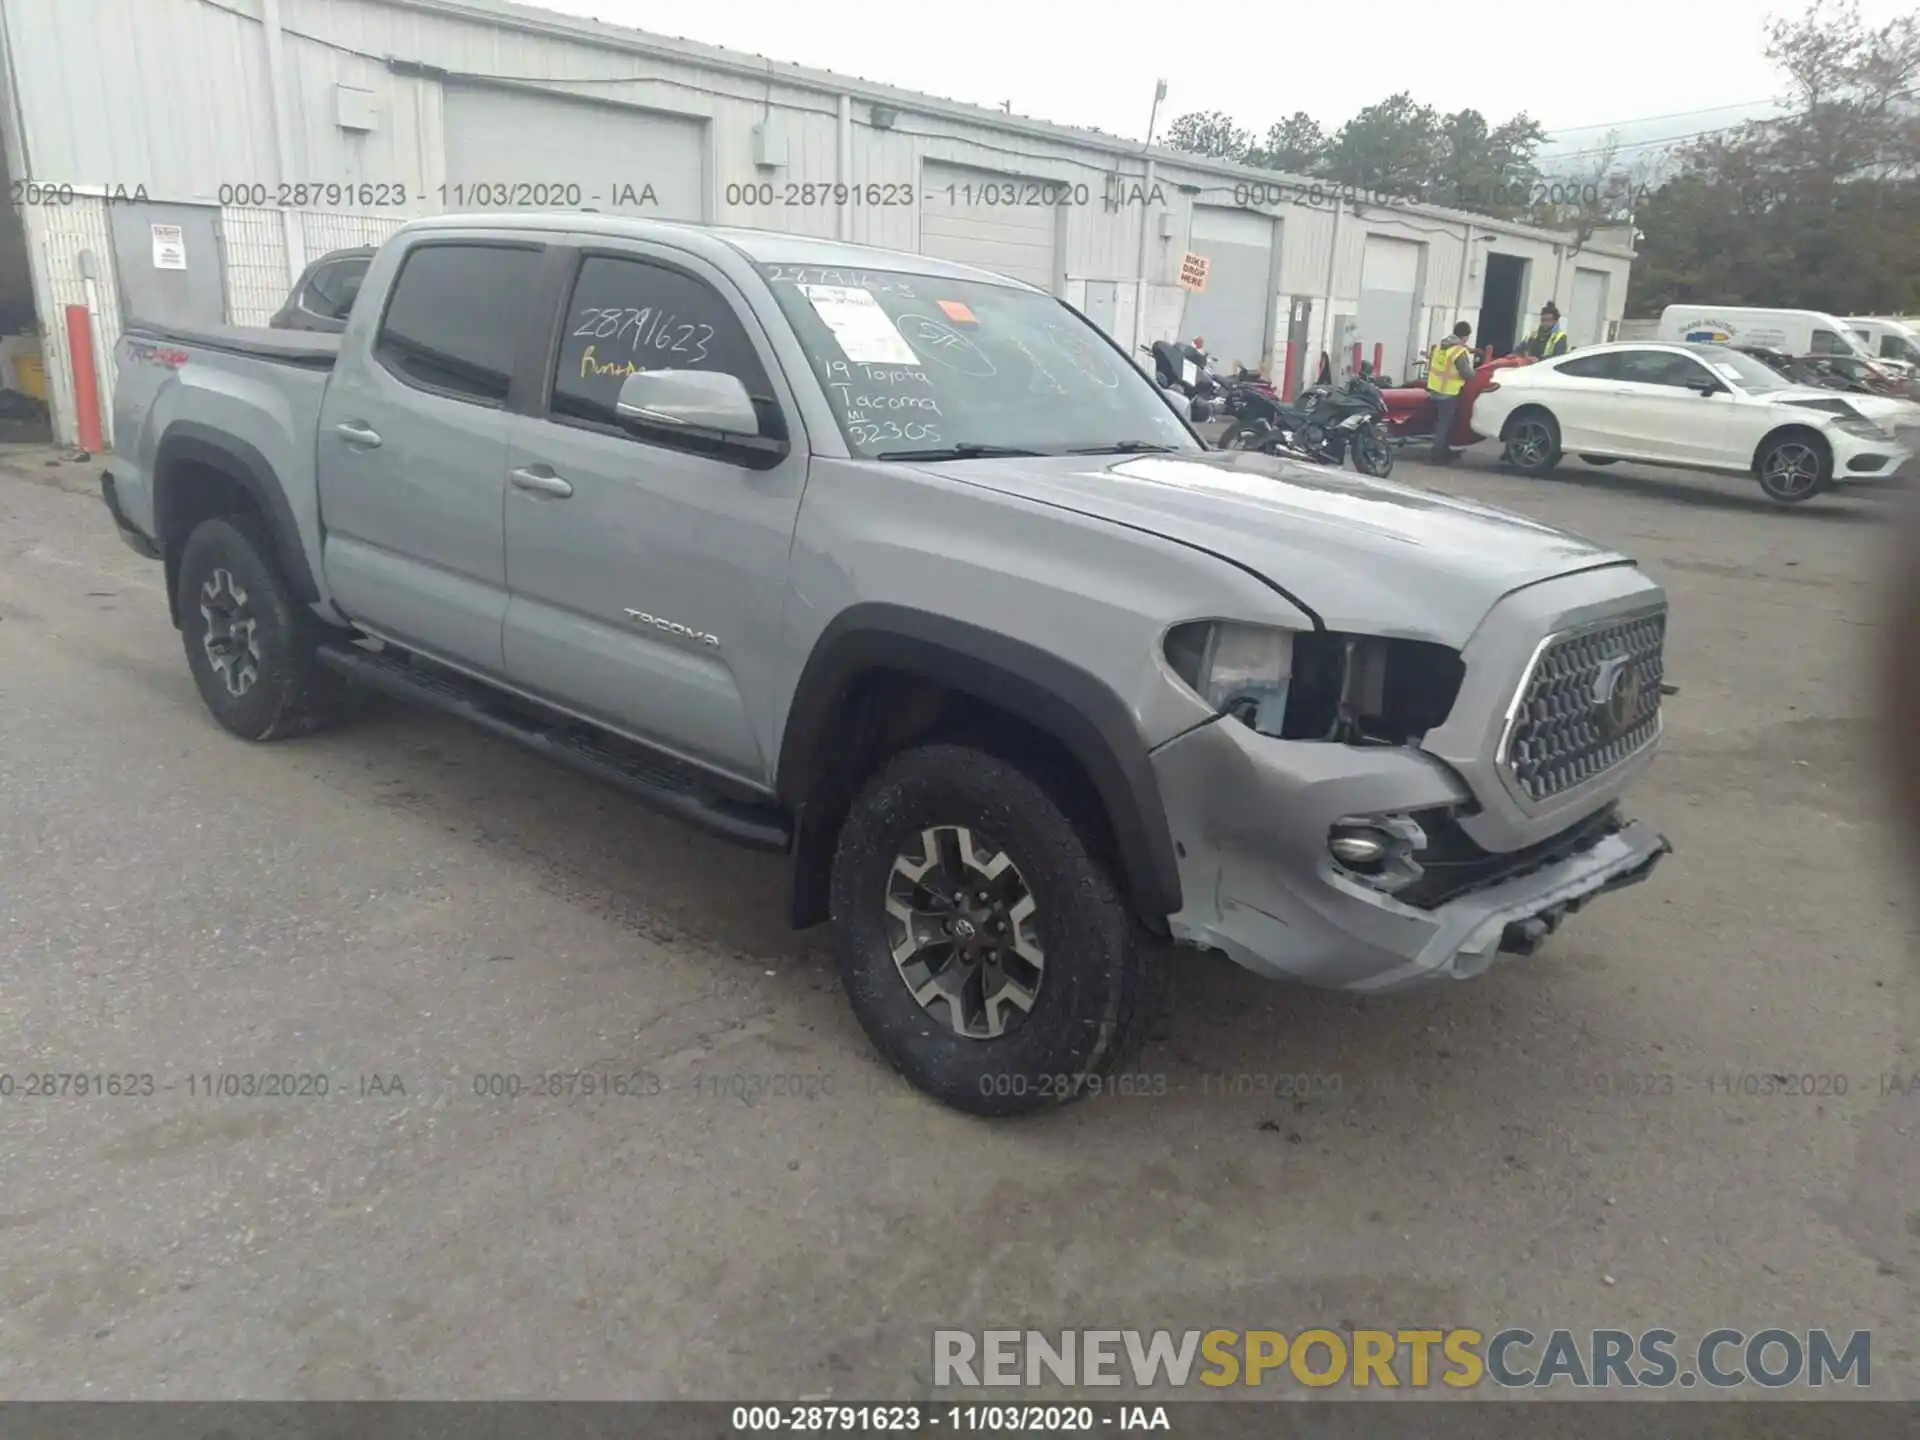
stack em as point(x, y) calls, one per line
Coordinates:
point(1794, 468)
point(1532, 443)
point(1372, 455)
point(984, 945)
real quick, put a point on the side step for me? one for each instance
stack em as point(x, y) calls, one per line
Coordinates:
point(657, 781)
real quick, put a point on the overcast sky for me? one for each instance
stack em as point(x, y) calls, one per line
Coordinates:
point(1572, 64)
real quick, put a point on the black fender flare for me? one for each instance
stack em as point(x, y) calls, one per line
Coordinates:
point(188, 440)
point(1057, 697)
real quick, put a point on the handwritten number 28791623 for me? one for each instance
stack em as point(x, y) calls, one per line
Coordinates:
point(651, 329)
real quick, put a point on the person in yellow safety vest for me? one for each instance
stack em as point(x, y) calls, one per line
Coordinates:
point(1550, 339)
point(1448, 370)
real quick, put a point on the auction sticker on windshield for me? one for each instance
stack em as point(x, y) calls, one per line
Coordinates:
point(861, 327)
point(1726, 372)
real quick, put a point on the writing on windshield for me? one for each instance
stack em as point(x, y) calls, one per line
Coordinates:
point(917, 362)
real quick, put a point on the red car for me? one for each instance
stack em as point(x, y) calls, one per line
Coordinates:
point(1410, 408)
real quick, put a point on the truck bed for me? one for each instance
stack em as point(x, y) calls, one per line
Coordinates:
point(310, 349)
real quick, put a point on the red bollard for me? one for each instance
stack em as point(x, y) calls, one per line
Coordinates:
point(1356, 357)
point(1379, 355)
point(86, 379)
point(1286, 375)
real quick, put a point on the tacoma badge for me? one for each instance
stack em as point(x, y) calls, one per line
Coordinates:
point(685, 632)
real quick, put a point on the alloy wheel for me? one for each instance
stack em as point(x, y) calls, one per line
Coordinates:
point(1792, 471)
point(231, 639)
point(1529, 444)
point(963, 934)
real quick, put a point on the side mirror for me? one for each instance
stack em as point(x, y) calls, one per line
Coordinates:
point(709, 400)
point(1705, 386)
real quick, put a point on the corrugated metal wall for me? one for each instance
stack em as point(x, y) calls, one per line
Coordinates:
point(174, 95)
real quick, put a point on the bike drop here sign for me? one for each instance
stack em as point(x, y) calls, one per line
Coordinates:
point(1193, 272)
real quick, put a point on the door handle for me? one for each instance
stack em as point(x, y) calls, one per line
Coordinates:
point(357, 434)
point(540, 480)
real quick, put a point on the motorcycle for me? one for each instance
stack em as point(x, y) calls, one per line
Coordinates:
point(1324, 426)
point(1188, 371)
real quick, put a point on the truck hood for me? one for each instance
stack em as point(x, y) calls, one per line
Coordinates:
point(1364, 555)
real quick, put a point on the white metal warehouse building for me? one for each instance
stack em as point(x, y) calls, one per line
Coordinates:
point(155, 112)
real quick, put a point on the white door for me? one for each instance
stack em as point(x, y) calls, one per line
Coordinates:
point(1389, 292)
point(1234, 314)
point(980, 217)
point(507, 150)
point(1587, 320)
point(1578, 393)
point(1656, 415)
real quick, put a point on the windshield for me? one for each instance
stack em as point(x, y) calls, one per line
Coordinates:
point(922, 365)
point(1897, 342)
point(1741, 369)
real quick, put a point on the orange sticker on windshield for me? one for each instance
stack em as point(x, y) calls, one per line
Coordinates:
point(958, 312)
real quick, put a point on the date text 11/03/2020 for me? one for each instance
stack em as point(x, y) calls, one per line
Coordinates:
point(644, 195)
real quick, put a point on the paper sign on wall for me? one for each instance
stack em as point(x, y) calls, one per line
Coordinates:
point(169, 247)
point(1193, 272)
point(865, 332)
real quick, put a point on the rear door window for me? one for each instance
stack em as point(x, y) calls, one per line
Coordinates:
point(456, 316)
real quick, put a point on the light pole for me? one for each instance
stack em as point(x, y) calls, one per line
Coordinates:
point(1140, 283)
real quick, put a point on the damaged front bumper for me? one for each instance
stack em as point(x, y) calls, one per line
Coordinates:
point(1251, 817)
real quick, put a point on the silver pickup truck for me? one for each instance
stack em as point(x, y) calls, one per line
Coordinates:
point(906, 570)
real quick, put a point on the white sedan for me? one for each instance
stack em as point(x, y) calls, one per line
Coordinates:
point(1701, 407)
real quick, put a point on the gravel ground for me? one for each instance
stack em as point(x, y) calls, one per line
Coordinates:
point(408, 909)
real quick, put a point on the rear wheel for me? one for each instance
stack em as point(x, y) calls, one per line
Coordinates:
point(250, 641)
point(1244, 435)
point(1532, 442)
point(1794, 467)
point(984, 945)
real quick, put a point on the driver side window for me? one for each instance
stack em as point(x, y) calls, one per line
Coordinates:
point(629, 315)
point(1660, 367)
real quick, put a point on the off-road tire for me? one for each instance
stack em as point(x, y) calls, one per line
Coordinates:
point(1098, 989)
point(290, 693)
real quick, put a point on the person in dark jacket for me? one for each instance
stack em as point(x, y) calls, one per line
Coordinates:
point(1550, 339)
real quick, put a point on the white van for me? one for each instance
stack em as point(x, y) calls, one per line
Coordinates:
point(1887, 338)
point(1795, 332)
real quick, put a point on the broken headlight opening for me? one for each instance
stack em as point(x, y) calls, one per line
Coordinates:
point(1317, 685)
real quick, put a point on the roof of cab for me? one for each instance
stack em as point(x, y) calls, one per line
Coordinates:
point(762, 247)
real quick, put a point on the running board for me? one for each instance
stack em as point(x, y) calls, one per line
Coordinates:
point(657, 781)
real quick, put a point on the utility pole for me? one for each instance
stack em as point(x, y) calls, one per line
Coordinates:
point(1140, 284)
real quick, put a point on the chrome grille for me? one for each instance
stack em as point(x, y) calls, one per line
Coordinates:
point(1590, 701)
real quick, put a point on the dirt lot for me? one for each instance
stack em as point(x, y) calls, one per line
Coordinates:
point(413, 912)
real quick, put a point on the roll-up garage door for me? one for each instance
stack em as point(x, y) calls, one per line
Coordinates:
point(1587, 315)
point(507, 149)
point(959, 221)
point(1234, 313)
point(1389, 289)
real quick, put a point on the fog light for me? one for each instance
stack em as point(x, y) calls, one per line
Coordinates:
point(1358, 847)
